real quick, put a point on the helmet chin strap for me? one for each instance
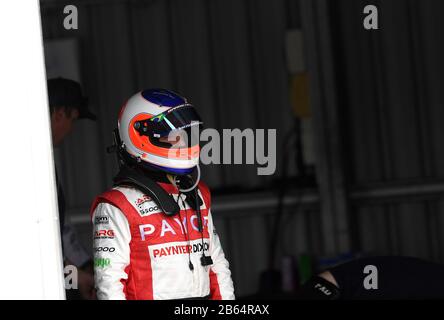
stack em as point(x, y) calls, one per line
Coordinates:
point(172, 180)
point(175, 180)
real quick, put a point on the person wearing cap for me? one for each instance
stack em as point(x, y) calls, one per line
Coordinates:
point(67, 105)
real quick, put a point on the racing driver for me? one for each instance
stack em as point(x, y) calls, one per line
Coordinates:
point(154, 237)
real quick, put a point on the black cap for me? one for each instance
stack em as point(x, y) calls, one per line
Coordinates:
point(68, 93)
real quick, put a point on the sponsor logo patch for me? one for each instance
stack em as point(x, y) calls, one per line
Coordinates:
point(105, 249)
point(142, 200)
point(146, 206)
point(148, 211)
point(180, 249)
point(101, 220)
point(102, 263)
point(171, 228)
point(104, 234)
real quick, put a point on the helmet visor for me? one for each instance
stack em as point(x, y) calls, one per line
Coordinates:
point(177, 118)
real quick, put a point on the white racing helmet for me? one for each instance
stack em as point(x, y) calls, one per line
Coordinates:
point(151, 115)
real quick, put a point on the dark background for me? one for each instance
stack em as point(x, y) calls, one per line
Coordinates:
point(365, 162)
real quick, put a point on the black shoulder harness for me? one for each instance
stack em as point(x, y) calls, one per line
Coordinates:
point(129, 176)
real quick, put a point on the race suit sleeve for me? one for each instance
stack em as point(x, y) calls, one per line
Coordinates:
point(221, 284)
point(111, 251)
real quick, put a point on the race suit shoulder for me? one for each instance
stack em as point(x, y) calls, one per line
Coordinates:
point(141, 253)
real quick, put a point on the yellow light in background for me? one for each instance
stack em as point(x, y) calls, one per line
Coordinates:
point(299, 95)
